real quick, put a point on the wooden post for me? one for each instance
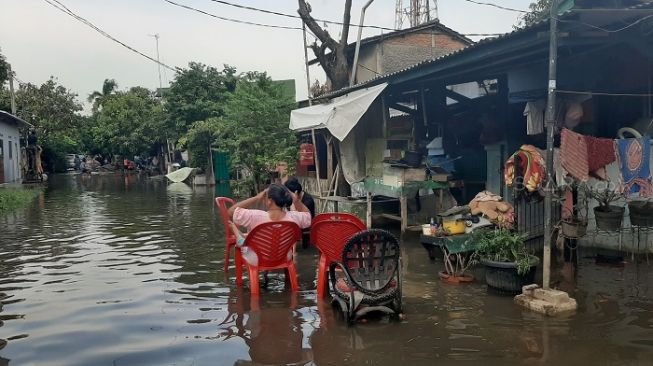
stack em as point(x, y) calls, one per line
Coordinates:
point(329, 139)
point(403, 202)
point(368, 218)
point(317, 164)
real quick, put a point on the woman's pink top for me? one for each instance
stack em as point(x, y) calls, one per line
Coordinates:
point(252, 218)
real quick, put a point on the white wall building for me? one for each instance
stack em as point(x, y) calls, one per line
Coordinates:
point(10, 154)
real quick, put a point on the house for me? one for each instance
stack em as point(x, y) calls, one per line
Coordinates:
point(387, 53)
point(10, 153)
point(605, 61)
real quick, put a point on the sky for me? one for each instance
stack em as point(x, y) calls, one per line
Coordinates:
point(40, 41)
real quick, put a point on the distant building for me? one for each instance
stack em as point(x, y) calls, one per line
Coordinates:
point(391, 52)
point(10, 147)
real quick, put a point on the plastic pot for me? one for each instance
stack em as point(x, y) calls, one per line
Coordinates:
point(503, 277)
point(574, 229)
point(609, 219)
point(641, 213)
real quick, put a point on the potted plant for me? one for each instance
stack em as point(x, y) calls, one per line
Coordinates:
point(641, 213)
point(574, 225)
point(508, 264)
point(608, 217)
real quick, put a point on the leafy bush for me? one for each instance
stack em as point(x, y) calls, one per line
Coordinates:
point(502, 245)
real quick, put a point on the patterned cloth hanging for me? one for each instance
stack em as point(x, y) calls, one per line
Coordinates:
point(532, 166)
point(634, 163)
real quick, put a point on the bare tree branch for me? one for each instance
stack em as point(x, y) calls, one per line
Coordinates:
point(324, 36)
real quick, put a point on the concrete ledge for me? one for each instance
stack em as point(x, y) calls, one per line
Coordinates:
point(548, 302)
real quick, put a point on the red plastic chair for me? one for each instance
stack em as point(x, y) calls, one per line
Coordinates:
point(271, 242)
point(329, 233)
point(230, 238)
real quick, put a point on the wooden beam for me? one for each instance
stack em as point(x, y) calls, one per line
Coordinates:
point(328, 138)
point(404, 109)
point(457, 96)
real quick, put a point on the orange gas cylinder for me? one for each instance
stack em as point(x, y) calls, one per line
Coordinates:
point(306, 154)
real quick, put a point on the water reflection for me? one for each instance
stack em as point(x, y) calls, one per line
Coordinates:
point(126, 270)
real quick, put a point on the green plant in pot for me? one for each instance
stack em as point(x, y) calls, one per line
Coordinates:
point(508, 264)
point(608, 216)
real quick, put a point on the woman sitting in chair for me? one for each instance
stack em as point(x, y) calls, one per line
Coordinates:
point(278, 200)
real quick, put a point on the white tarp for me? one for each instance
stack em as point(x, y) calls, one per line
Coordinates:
point(339, 116)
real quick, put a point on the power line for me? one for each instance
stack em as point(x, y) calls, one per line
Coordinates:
point(496, 6)
point(608, 30)
point(293, 16)
point(61, 7)
point(231, 19)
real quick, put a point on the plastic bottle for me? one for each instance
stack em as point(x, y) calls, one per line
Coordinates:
point(433, 227)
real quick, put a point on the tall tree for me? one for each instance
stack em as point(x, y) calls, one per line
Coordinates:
point(129, 123)
point(254, 129)
point(196, 94)
point(331, 54)
point(98, 98)
point(4, 68)
point(538, 11)
point(53, 110)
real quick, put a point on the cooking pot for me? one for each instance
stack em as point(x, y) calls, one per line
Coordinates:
point(454, 227)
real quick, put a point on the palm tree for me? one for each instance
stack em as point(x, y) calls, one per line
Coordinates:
point(97, 98)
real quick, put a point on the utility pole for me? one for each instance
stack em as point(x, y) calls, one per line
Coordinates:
point(550, 131)
point(158, 62)
point(169, 153)
point(308, 75)
point(12, 94)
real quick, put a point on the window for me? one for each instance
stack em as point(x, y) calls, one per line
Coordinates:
point(10, 150)
point(2, 144)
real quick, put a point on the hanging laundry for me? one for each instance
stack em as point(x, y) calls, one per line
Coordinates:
point(573, 154)
point(600, 152)
point(534, 113)
point(634, 163)
point(532, 168)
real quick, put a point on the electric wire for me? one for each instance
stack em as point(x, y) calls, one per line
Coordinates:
point(231, 19)
point(604, 29)
point(61, 7)
point(496, 6)
point(286, 15)
point(296, 17)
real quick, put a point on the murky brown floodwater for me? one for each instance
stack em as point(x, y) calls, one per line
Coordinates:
point(113, 271)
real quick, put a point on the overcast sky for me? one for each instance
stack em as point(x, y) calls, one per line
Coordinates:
point(39, 40)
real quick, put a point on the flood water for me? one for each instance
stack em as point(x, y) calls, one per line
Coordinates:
point(128, 271)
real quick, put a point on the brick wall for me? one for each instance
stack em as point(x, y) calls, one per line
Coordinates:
point(397, 53)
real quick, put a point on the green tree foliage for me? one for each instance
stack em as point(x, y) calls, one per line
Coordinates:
point(197, 94)
point(129, 123)
point(538, 11)
point(4, 67)
point(53, 110)
point(98, 97)
point(254, 129)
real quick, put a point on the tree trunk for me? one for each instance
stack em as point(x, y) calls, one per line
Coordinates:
point(335, 63)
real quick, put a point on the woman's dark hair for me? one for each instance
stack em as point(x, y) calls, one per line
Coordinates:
point(280, 195)
point(293, 185)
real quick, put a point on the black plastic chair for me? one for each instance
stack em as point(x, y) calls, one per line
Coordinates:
point(370, 276)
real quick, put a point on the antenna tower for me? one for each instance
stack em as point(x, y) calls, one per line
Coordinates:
point(419, 12)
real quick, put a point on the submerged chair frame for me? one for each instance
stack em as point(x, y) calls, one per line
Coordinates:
point(371, 266)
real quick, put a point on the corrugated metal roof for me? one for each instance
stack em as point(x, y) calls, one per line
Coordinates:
point(457, 53)
point(6, 116)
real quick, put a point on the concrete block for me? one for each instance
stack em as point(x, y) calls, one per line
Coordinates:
point(551, 296)
point(546, 302)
